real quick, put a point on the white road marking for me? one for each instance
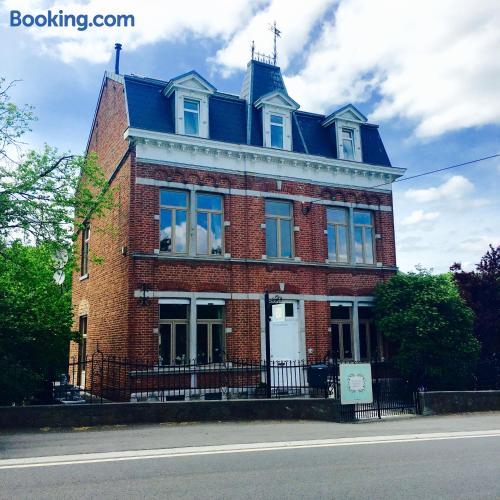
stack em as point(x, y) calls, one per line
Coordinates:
point(117, 456)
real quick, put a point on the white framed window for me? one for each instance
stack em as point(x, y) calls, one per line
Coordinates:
point(342, 332)
point(173, 341)
point(84, 263)
point(338, 234)
point(363, 237)
point(209, 224)
point(277, 131)
point(279, 224)
point(210, 339)
point(348, 145)
point(174, 206)
point(191, 116)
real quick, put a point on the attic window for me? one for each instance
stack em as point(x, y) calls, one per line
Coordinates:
point(191, 117)
point(276, 131)
point(348, 143)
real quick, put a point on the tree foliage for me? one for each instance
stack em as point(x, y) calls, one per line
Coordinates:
point(431, 326)
point(481, 290)
point(35, 321)
point(42, 194)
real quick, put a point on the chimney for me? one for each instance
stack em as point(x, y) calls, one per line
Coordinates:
point(118, 47)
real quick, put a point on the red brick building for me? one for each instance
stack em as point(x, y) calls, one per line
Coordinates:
point(220, 198)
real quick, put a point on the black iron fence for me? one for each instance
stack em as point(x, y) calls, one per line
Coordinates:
point(392, 395)
point(99, 379)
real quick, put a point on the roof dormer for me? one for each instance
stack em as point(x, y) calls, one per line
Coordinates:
point(277, 107)
point(347, 121)
point(191, 93)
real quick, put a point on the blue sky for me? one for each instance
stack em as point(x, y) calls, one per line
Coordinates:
point(430, 81)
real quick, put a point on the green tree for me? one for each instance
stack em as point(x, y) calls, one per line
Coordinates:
point(431, 326)
point(42, 194)
point(35, 321)
point(481, 290)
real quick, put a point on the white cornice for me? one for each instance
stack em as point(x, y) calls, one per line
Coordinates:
point(216, 154)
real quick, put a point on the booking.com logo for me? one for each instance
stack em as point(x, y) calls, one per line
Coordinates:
point(80, 21)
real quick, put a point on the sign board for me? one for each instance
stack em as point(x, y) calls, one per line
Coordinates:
point(278, 315)
point(355, 383)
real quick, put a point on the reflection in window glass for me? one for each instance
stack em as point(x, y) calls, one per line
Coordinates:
point(337, 234)
point(348, 143)
point(191, 116)
point(210, 344)
point(209, 224)
point(173, 334)
point(173, 221)
point(278, 229)
point(276, 131)
point(363, 237)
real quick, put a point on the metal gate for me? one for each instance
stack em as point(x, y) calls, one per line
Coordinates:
point(392, 395)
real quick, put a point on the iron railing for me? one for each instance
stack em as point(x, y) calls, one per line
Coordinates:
point(100, 378)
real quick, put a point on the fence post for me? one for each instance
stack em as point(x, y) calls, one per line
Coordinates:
point(268, 344)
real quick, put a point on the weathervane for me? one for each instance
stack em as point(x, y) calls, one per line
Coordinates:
point(259, 56)
point(277, 33)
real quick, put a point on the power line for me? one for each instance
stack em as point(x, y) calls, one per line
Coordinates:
point(438, 170)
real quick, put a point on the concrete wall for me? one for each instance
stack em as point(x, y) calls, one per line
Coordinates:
point(194, 411)
point(443, 402)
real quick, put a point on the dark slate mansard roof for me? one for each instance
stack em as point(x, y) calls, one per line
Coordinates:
point(149, 109)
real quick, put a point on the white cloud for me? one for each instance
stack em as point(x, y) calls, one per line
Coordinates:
point(433, 63)
point(154, 22)
point(455, 188)
point(418, 216)
point(295, 19)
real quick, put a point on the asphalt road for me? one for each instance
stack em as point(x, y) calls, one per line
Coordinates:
point(438, 457)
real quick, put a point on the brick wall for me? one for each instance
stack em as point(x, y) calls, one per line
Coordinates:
point(123, 325)
point(103, 296)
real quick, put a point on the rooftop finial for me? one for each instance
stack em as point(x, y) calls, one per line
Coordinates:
point(259, 56)
point(277, 33)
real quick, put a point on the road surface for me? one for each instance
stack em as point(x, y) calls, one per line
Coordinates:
point(432, 457)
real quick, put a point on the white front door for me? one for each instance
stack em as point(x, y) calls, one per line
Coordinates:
point(285, 345)
point(286, 350)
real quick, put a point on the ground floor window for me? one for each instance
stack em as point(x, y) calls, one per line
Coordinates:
point(341, 328)
point(210, 334)
point(370, 344)
point(82, 350)
point(173, 334)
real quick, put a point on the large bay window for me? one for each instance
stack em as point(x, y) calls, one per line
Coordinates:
point(209, 224)
point(173, 221)
point(278, 229)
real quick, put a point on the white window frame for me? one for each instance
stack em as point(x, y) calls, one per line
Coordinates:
point(197, 113)
point(174, 209)
point(280, 125)
point(340, 125)
point(364, 227)
point(209, 224)
point(335, 226)
point(278, 219)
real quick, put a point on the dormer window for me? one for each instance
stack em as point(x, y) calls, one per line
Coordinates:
point(347, 122)
point(348, 143)
point(191, 117)
point(190, 94)
point(277, 131)
point(277, 108)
